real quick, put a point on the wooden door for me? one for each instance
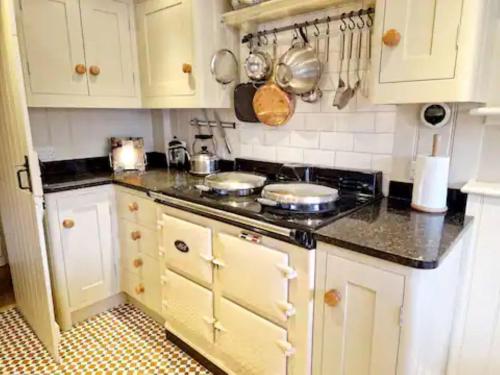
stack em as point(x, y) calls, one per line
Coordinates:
point(53, 46)
point(361, 333)
point(428, 47)
point(107, 35)
point(86, 234)
point(254, 345)
point(164, 26)
point(22, 210)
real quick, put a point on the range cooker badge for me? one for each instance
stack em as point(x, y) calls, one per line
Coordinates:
point(181, 246)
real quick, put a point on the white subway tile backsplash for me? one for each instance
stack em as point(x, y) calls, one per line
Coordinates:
point(253, 135)
point(337, 141)
point(385, 122)
point(296, 122)
point(356, 122)
point(303, 139)
point(264, 152)
point(289, 155)
point(382, 163)
point(353, 160)
point(277, 138)
point(320, 121)
point(374, 143)
point(319, 157)
point(246, 151)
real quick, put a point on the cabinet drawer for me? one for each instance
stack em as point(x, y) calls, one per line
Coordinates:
point(137, 209)
point(187, 248)
point(132, 285)
point(138, 237)
point(188, 304)
point(252, 344)
point(262, 284)
point(152, 283)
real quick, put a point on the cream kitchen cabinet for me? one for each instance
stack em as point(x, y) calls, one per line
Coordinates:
point(139, 248)
point(378, 317)
point(83, 249)
point(176, 40)
point(432, 51)
point(79, 53)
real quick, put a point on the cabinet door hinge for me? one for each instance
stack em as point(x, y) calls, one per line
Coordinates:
point(401, 316)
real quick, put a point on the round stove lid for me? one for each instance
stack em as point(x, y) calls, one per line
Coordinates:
point(300, 193)
point(233, 181)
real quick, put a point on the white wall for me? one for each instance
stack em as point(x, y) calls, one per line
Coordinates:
point(60, 134)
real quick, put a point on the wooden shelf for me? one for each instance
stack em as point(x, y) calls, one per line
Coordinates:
point(275, 9)
point(485, 111)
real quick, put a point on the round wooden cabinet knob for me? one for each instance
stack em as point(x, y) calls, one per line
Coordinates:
point(139, 289)
point(332, 298)
point(138, 263)
point(133, 207)
point(95, 70)
point(187, 68)
point(136, 235)
point(68, 223)
point(391, 38)
point(80, 69)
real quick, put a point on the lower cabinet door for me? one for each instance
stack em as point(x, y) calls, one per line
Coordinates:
point(252, 344)
point(262, 284)
point(86, 235)
point(361, 327)
point(188, 304)
point(188, 248)
point(152, 283)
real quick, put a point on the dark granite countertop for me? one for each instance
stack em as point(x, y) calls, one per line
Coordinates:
point(388, 229)
point(391, 230)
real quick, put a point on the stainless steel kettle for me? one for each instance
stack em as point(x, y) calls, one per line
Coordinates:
point(204, 162)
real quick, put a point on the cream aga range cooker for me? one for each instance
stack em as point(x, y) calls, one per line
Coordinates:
point(239, 260)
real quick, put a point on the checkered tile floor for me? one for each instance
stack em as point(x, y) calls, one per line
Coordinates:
point(121, 340)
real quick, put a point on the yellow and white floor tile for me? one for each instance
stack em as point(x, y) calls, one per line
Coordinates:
point(122, 340)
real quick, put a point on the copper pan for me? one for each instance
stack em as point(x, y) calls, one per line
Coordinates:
point(272, 105)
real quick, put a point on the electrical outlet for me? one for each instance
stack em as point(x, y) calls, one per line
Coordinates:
point(46, 153)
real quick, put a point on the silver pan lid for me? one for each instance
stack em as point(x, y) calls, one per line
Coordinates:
point(300, 193)
point(233, 181)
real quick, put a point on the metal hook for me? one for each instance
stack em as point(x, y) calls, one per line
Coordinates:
point(361, 23)
point(369, 21)
point(328, 20)
point(275, 39)
point(352, 24)
point(316, 32)
point(295, 33)
point(264, 37)
point(306, 29)
point(343, 27)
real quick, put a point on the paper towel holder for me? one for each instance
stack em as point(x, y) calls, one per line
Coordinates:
point(435, 115)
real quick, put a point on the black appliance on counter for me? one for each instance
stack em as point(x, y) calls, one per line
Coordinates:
point(355, 190)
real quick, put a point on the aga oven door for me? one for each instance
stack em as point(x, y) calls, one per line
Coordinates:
point(187, 248)
point(260, 284)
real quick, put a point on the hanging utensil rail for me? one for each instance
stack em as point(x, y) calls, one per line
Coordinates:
point(212, 124)
point(298, 26)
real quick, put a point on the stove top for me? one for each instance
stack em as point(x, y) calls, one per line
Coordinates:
point(356, 189)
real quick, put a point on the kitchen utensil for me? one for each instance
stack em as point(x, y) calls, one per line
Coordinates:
point(222, 132)
point(272, 105)
point(299, 69)
point(357, 85)
point(204, 162)
point(302, 197)
point(348, 92)
point(258, 65)
point(341, 86)
point(235, 183)
point(178, 156)
point(243, 102)
point(224, 67)
point(365, 83)
point(430, 186)
point(316, 94)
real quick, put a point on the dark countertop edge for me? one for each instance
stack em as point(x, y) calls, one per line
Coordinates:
point(404, 261)
point(370, 251)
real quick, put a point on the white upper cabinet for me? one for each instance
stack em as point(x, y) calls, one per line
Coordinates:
point(108, 47)
point(428, 46)
point(53, 47)
point(163, 73)
point(79, 53)
point(176, 41)
point(432, 50)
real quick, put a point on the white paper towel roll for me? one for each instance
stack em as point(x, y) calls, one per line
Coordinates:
point(430, 187)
